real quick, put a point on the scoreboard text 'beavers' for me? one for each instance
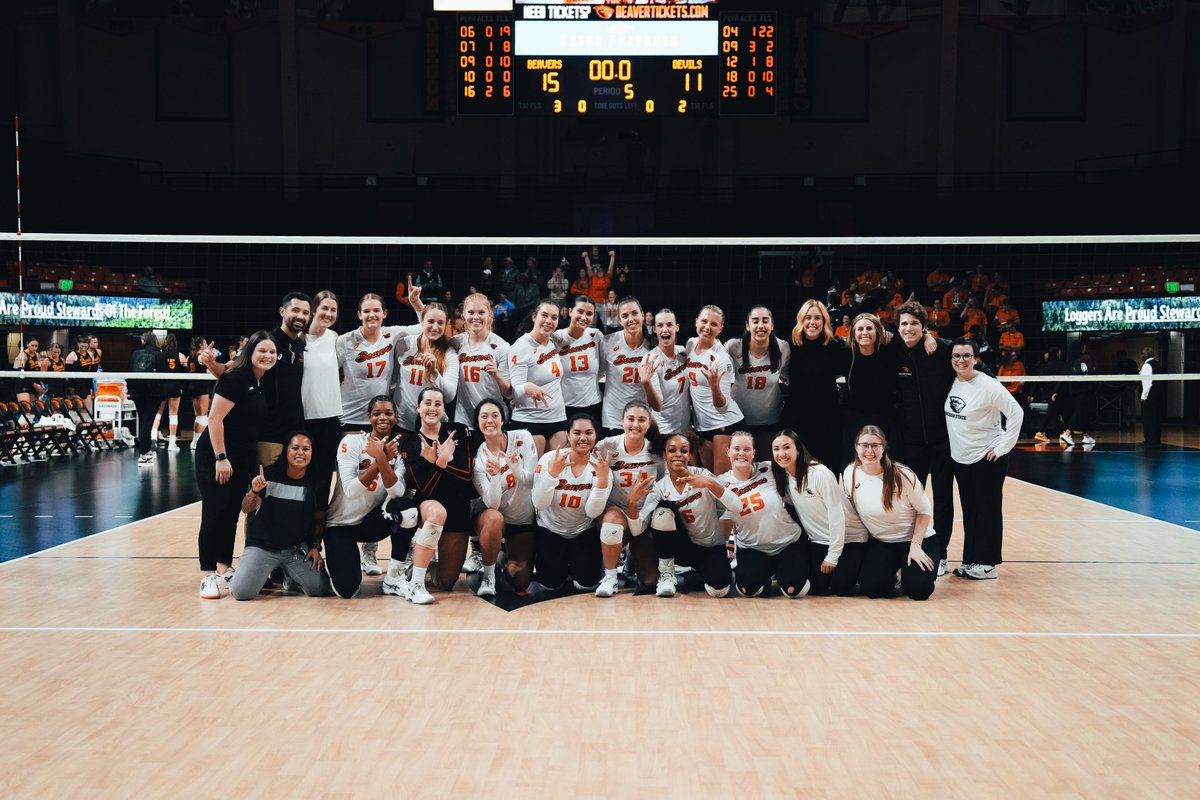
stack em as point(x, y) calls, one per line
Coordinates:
point(613, 59)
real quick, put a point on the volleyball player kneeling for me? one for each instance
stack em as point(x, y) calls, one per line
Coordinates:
point(769, 542)
point(897, 514)
point(570, 490)
point(686, 523)
point(286, 507)
point(835, 536)
point(504, 480)
point(636, 453)
point(368, 476)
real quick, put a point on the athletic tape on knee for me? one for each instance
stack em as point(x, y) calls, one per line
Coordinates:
point(716, 592)
point(611, 533)
point(663, 519)
point(202, 421)
point(173, 419)
point(428, 535)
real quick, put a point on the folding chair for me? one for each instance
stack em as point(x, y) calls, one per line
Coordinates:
point(10, 453)
point(26, 435)
point(93, 429)
point(57, 432)
point(42, 437)
point(75, 437)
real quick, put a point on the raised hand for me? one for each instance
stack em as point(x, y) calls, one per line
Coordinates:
point(641, 487)
point(492, 465)
point(446, 449)
point(429, 452)
point(259, 482)
point(537, 394)
point(558, 462)
point(391, 448)
point(703, 482)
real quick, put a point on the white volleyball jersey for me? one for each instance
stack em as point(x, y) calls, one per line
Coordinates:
point(699, 509)
point(757, 390)
point(628, 468)
point(581, 363)
point(825, 512)
point(763, 523)
point(474, 384)
point(511, 491)
point(569, 504)
point(671, 383)
point(351, 500)
point(367, 368)
point(539, 364)
point(705, 415)
point(412, 376)
point(898, 525)
point(621, 381)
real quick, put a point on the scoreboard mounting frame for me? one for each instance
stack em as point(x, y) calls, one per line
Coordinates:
point(617, 61)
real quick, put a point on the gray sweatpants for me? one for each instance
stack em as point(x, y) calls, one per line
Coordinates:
point(256, 565)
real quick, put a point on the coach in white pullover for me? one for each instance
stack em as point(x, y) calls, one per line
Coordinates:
point(979, 445)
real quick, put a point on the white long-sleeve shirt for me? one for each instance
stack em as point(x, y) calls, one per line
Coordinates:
point(511, 491)
point(671, 383)
point(569, 504)
point(699, 509)
point(762, 523)
point(898, 525)
point(705, 414)
point(474, 383)
point(973, 410)
point(367, 367)
point(825, 512)
point(351, 500)
point(412, 376)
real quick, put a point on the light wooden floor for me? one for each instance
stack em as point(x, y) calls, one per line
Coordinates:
point(1073, 675)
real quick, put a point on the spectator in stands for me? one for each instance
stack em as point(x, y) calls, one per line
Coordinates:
point(531, 270)
point(954, 298)
point(843, 330)
point(972, 315)
point(148, 282)
point(805, 281)
point(508, 276)
point(1154, 399)
point(28, 389)
point(601, 276)
point(937, 282)
point(582, 284)
point(987, 354)
point(1012, 366)
point(1006, 313)
point(996, 294)
point(558, 285)
point(429, 279)
point(979, 281)
point(1012, 340)
point(525, 295)
point(147, 395)
point(623, 282)
point(489, 282)
point(612, 317)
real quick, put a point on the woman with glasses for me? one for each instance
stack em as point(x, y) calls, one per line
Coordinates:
point(898, 517)
point(984, 422)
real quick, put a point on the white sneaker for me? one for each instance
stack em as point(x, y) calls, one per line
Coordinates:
point(1066, 438)
point(666, 584)
point(943, 567)
point(146, 458)
point(210, 587)
point(961, 569)
point(607, 587)
point(980, 572)
point(419, 595)
point(1087, 439)
point(487, 587)
point(396, 584)
point(473, 564)
point(171, 442)
point(366, 559)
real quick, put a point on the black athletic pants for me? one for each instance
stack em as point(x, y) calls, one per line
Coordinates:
point(711, 562)
point(844, 578)
point(327, 435)
point(558, 558)
point(981, 497)
point(882, 559)
point(934, 460)
point(789, 566)
point(341, 546)
point(220, 503)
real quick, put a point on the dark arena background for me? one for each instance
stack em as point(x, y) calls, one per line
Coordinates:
point(180, 165)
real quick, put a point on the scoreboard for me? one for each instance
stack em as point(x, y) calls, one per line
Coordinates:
point(614, 58)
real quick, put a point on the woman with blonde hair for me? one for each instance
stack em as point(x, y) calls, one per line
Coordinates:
point(818, 360)
point(427, 360)
point(483, 357)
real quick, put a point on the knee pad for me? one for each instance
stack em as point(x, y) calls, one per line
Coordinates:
point(611, 533)
point(428, 535)
point(716, 592)
point(401, 510)
point(201, 421)
point(803, 591)
point(663, 519)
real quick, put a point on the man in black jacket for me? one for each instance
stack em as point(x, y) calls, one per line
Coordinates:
point(924, 380)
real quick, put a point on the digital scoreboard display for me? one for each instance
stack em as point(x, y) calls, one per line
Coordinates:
point(614, 58)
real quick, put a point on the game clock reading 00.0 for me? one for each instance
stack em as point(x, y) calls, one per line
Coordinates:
point(594, 66)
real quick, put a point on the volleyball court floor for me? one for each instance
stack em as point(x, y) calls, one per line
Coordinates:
point(1072, 675)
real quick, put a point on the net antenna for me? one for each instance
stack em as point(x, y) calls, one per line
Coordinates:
point(20, 260)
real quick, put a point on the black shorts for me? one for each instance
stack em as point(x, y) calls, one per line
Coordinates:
point(543, 429)
point(727, 430)
point(172, 389)
point(458, 514)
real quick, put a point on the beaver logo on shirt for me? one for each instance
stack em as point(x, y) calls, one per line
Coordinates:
point(957, 404)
